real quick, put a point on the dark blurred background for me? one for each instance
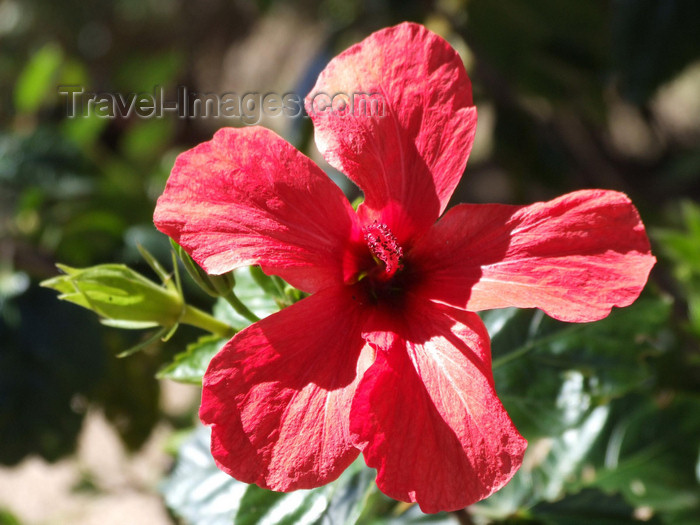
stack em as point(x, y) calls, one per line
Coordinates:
point(574, 94)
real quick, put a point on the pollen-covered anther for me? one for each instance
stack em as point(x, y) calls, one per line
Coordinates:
point(385, 248)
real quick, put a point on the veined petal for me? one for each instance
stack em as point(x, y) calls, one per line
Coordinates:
point(575, 257)
point(248, 197)
point(278, 395)
point(426, 415)
point(408, 151)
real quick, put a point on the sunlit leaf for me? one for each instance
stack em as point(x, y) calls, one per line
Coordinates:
point(84, 130)
point(550, 464)
point(203, 495)
point(412, 515)
point(682, 248)
point(550, 374)
point(118, 293)
point(650, 454)
point(190, 365)
point(557, 381)
point(252, 295)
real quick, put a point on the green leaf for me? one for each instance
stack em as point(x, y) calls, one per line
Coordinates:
point(38, 78)
point(557, 381)
point(84, 131)
point(203, 495)
point(251, 294)
point(682, 248)
point(537, 362)
point(550, 465)
point(413, 515)
point(650, 454)
point(587, 507)
point(147, 138)
point(7, 518)
point(190, 365)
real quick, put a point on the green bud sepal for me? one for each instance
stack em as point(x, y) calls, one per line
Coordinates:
point(123, 298)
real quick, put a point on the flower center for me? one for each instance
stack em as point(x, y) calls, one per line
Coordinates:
point(385, 249)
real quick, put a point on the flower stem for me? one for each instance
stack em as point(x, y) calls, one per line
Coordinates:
point(196, 317)
point(463, 517)
point(240, 308)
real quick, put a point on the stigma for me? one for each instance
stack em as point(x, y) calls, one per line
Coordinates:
point(384, 247)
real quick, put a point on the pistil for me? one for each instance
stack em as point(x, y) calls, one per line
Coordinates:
point(385, 249)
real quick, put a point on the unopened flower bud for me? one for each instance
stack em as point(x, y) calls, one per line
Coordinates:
point(120, 295)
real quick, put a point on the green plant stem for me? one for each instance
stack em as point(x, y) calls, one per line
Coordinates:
point(196, 317)
point(240, 308)
point(263, 281)
point(524, 349)
point(279, 284)
point(270, 283)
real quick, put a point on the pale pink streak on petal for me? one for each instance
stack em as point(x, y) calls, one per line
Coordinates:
point(278, 394)
point(427, 417)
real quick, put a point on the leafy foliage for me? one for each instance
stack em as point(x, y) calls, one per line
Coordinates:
point(683, 248)
point(199, 492)
point(650, 453)
point(581, 395)
point(189, 366)
point(588, 506)
point(550, 374)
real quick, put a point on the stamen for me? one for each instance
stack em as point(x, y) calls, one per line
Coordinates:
point(385, 248)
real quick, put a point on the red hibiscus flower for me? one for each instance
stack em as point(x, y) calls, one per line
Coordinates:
point(386, 356)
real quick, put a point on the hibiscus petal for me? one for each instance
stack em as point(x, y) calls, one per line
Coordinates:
point(409, 156)
point(574, 257)
point(426, 415)
point(278, 394)
point(248, 197)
